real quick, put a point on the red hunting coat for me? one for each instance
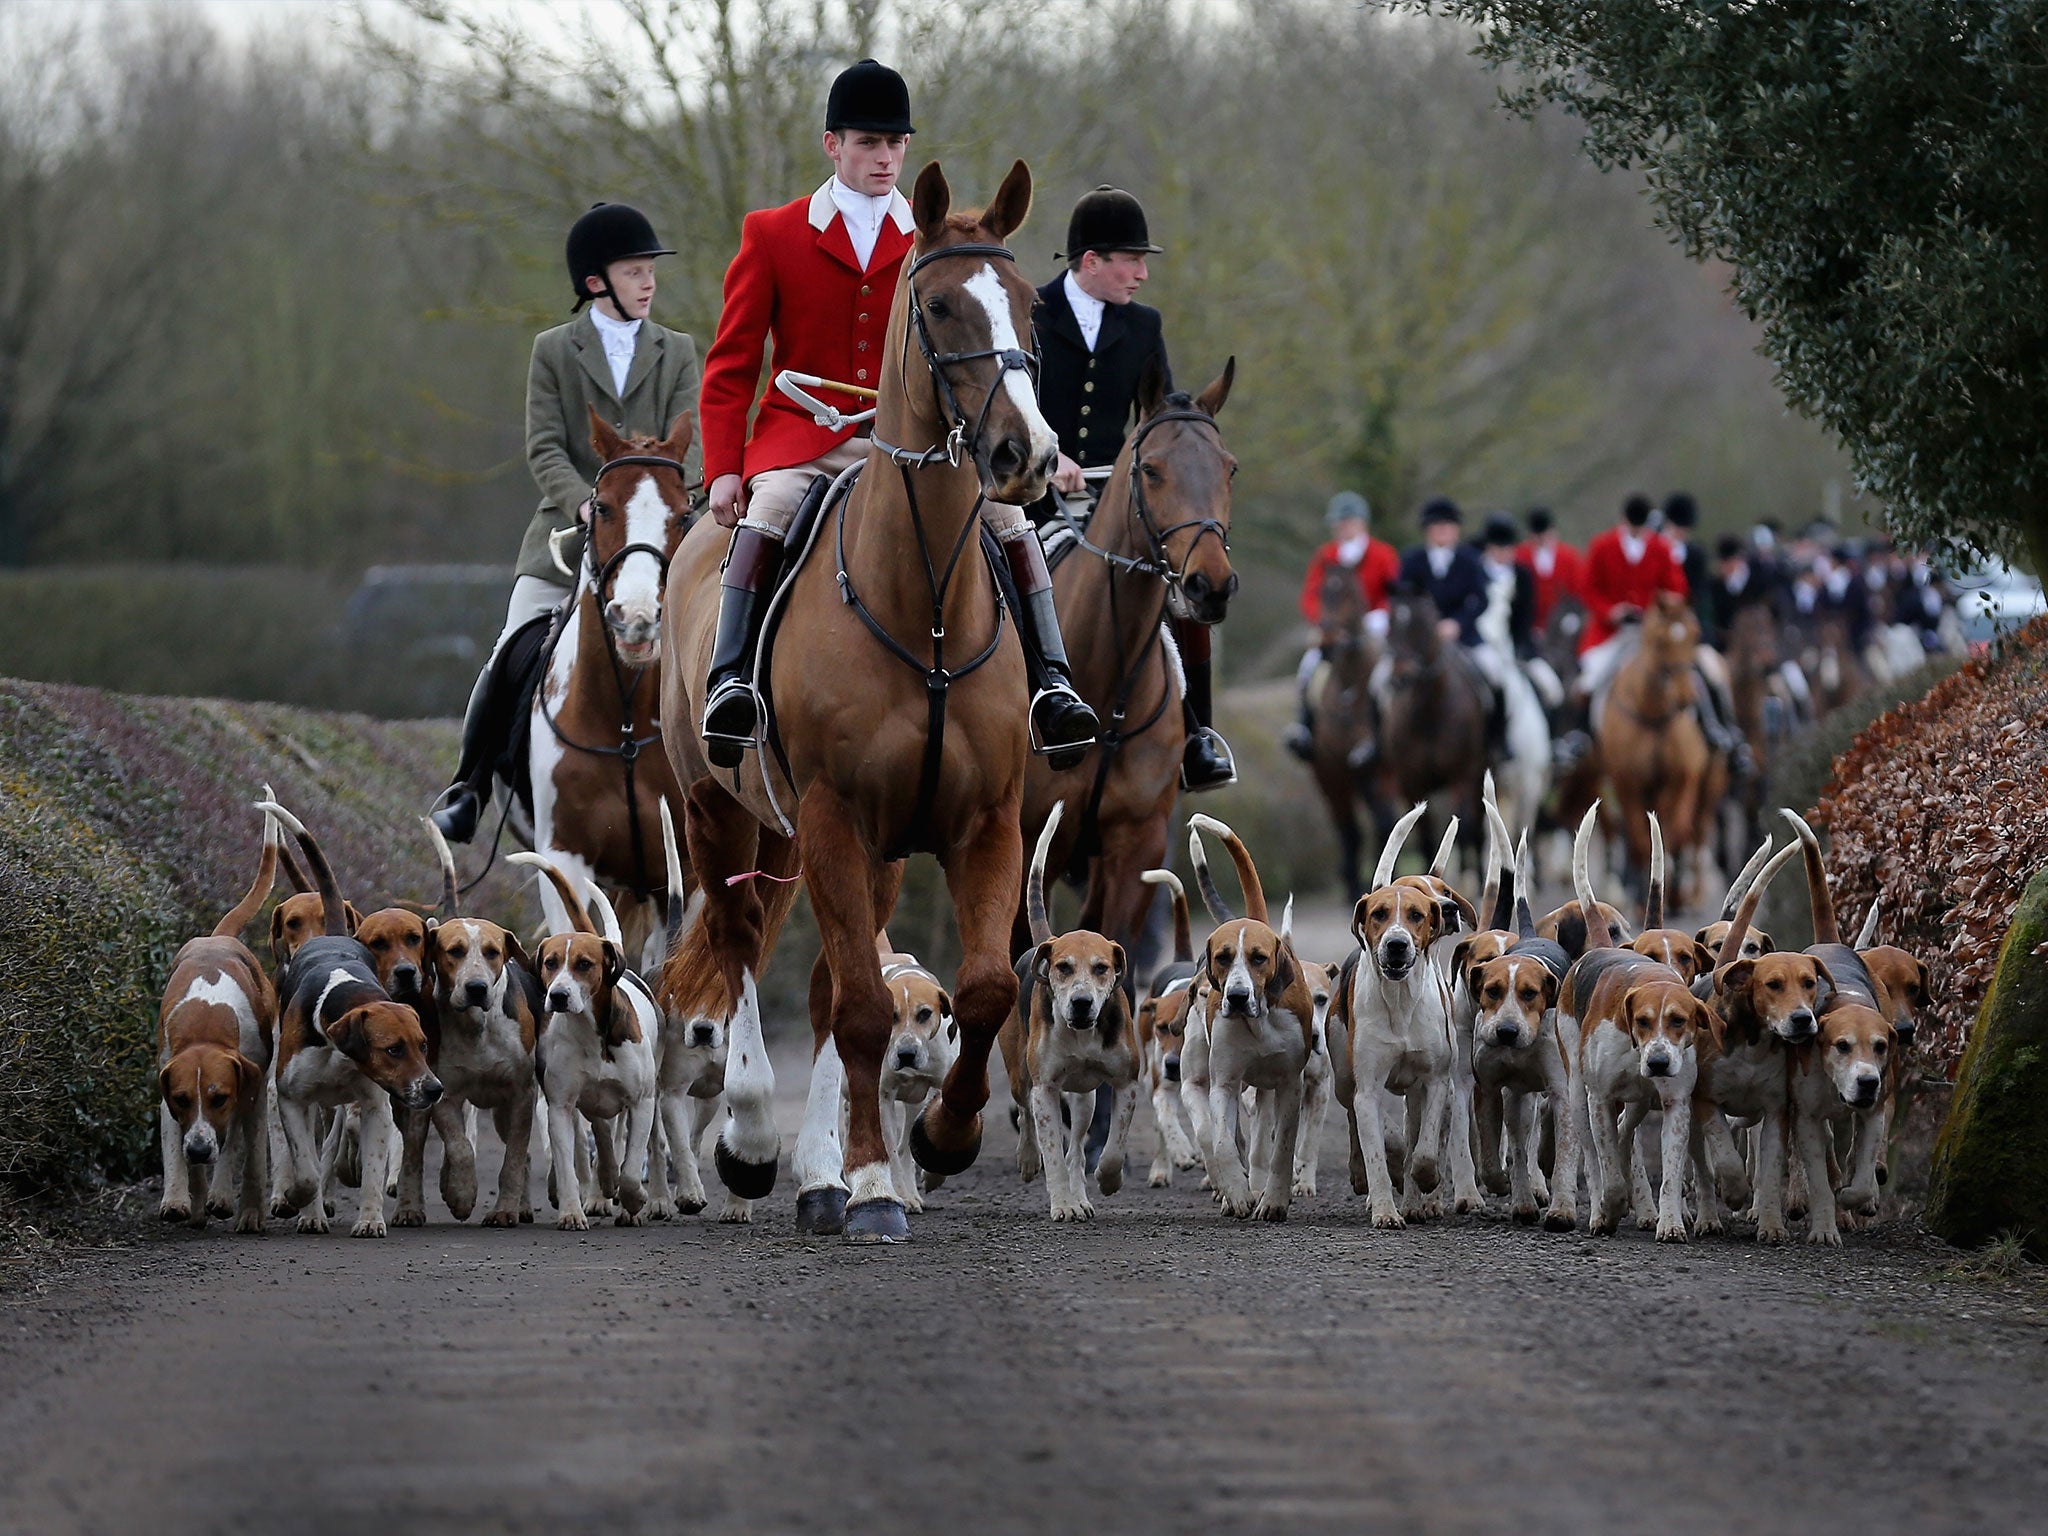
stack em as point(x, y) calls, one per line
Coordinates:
point(795, 283)
point(1567, 574)
point(1610, 579)
point(1376, 572)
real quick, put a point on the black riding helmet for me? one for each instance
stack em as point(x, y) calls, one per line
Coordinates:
point(609, 232)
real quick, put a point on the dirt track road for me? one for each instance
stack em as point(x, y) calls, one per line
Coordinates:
point(1161, 1370)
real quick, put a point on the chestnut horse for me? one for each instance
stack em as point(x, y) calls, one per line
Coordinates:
point(1346, 732)
point(1432, 720)
point(1157, 543)
point(848, 785)
point(1654, 751)
point(593, 752)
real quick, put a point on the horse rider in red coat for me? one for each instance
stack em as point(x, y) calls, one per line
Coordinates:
point(1556, 567)
point(1374, 563)
point(815, 279)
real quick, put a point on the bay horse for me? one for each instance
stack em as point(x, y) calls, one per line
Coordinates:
point(593, 755)
point(1345, 733)
point(1432, 719)
point(856, 775)
point(1653, 749)
point(1157, 543)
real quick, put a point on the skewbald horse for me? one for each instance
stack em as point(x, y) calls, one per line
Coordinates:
point(594, 740)
point(1157, 543)
point(853, 719)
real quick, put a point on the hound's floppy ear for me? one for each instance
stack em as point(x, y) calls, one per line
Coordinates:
point(1041, 961)
point(614, 964)
point(1735, 975)
point(1705, 1020)
point(1551, 985)
point(349, 1035)
point(1285, 971)
point(1922, 984)
point(355, 918)
point(277, 934)
point(1458, 960)
point(248, 1079)
point(1007, 210)
point(1358, 919)
point(930, 201)
point(1452, 905)
point(163, 1081)
point(1702, 959)
point(945, 1004)
point(1628, 1009)
point(1117, 954)
point(516, 952)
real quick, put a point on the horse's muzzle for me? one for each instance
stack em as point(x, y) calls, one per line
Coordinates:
point(1208, 602)
point(1013, 475)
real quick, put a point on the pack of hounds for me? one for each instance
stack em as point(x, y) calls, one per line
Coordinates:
point(1570, 1063)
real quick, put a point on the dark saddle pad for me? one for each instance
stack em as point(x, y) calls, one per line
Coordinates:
point(521, 663)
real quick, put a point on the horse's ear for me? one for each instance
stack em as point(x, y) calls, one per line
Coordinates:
point(1212, 398)
point(930, 201)
point(681, 433)
point(609, 444)
point(1008, 209)
point(1151, 389)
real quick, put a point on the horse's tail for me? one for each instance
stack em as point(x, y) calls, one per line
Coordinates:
point(579, 919)
point(1183, 933)
point(333, 910)
point(1744, 880)
point(693, 977)
point(1525, 918)
point(1241, 856)
point(236, 918)
point(1497, 901)
point(1868, 935)
point(1383, 872)
point(606, 914)
point(1738, 926)
point(1445, 846)
point(1653, 901)
point(1034, 879)
point(1825, 929)
point(1219, 909)
point(451, 901)
point(1582, 883)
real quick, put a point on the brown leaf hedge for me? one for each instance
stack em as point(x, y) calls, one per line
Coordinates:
point(1940, 810)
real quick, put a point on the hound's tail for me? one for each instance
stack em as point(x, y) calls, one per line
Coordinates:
point(333, 910)
point(1868, 935)
point(1744, 880)
point(1525, 918)
point(1241, 856)
point(579, 919)
point(1653, 903)
point(1034, 880)
point(678, 891)
point(607, 915)
point(1497, 901)
point(236, 918)
point(1219, 909)
point(1183, 933)
point(1825, 929)
point(451, 898)
point(1738, 925)
point(1287, 918)
point(1445, 847)
point(1383, 872)
point(1582, 884)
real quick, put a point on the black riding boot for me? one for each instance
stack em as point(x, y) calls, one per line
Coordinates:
point(1497, 744)
point(1205, 763)
point(732, 709)
point(1061, 719)
point(486, 726)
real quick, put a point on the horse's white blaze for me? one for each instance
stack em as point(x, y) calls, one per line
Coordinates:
point(820, 1159)
point(636, 589)
point(988, 289)
point(749, 1132)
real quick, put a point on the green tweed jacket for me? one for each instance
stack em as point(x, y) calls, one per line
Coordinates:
point(569, 372)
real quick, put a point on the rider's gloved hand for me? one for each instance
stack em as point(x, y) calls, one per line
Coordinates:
point(725, 500)
point(1067, 478)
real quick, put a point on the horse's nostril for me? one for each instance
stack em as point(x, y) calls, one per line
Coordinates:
point(1230, 585)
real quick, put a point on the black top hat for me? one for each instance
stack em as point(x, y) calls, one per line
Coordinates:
point(868, 97)
point(1680, 510)
point(1107, 220)
point(609, 232)
point(1540, 520)
point(1501, 531)
point(1441, 509)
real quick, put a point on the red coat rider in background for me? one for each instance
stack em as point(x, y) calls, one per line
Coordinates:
point(815, 278)
point(1556, 566)
point(1375, 564)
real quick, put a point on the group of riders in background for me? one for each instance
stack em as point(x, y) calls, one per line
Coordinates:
point(1787, 627)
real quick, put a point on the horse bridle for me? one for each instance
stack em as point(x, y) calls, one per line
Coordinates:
point(1155, 561)
point(959, 440)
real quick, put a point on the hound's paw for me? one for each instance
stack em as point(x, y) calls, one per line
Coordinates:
point(631, 1218)
point(1159, 1178)
point(1076, 1210)
point(597, 1210)
point(504, 1219)
point(1526, 1214)
point(313, 1221)
point(407, 1216)
point(1469, 1205)
point(170, 1212)
point(572, 1221)
point(280, 1207)
point(913, 1202)
point(737, 1211)
point(250, 1221)
point(1269, 1210)
point(1603, 1225)
point(1426, 1173)
point(1109, 1179)
point(1428, 1209)
point(1304, 1187)
point(1709, 1226)
point(1207, 1184)
point(368, 1226)
point(1859, 1202)
point(1028, 1169)
point(1555, 1220)
point(1386, 1216)
point(1671, 1231)
point(1826, 1237)
point(1770, 1237)
point(690, 1205)
point(661, 1210)
point(1539, 1189)
point(219, 1208)
point(1187, 1162)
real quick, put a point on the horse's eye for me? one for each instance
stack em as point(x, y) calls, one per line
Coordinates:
point(937, 309)
point(1150, 472)
point(601, 509)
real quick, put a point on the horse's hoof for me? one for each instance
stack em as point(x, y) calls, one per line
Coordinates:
point(877, 1221)
point(821, 1212)
point(937, 1159)
point(750, 1181)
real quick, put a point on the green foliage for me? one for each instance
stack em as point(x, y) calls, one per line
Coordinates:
point(1876, 174)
